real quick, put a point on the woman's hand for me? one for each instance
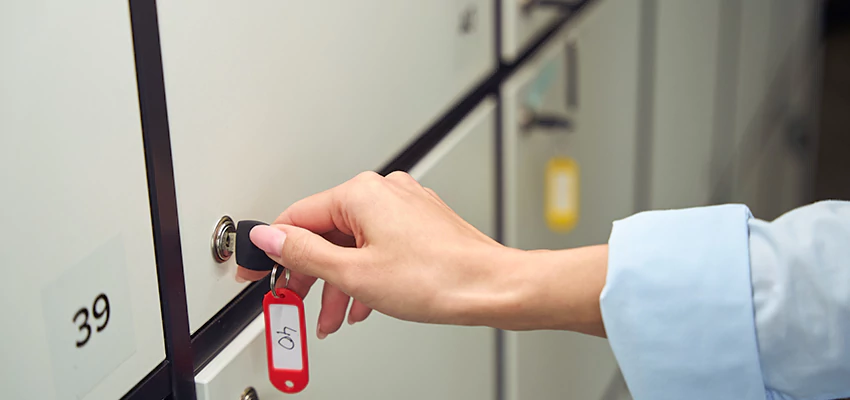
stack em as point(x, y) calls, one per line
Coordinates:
point(395, 247)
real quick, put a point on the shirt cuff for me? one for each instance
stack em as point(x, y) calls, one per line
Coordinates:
point(678, 306)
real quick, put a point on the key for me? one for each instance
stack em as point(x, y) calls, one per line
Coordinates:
point(249, 255)
point(229, 238)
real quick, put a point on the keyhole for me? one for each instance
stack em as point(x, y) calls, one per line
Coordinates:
point(222, 242)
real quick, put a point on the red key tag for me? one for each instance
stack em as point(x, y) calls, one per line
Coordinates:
point(286, 339)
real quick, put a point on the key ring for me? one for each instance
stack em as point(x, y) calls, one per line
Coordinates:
point(274, 279)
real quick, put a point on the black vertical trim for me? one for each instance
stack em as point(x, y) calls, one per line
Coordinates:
point(163, 200)
point(500, 237)
point(498, 140)
point(572, 75)
point(725, 102)
point(816, 42)
point(499, 177)
point(645, 104)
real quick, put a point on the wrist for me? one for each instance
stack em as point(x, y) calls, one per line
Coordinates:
point(548, 289)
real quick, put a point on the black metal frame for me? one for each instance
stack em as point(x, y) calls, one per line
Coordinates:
point(163, 199)
point(645, 101)
point(187, 354)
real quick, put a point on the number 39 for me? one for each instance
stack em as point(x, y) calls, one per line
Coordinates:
point(98, 312)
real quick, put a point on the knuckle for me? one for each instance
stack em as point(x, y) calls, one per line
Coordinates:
point(363, 187)
point(367, 176)
point(398, 175)
point(402, 178)
point(364, 184)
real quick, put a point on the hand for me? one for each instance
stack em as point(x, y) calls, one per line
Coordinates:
point(396, 247)
point(389, 243)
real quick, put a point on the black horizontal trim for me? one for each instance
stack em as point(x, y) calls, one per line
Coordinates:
point(155, 386)
point(217, 333)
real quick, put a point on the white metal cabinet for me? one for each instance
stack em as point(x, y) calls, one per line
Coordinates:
point(75, 204)
point(272, 101)
point(684, 102)
point(774, 105)
point(553, 364)
point(384, 358)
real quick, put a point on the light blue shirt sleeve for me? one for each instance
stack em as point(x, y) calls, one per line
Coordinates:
point(711, 303)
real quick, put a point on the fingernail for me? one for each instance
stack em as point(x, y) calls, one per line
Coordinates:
point(268, 239)
point(240, 279)
point(350, 320)
point(321, 335)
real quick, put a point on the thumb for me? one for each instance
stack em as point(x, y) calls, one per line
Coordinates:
point(302, 251)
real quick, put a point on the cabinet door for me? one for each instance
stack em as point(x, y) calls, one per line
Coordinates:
point(384, 358)
point(684, 100)
point(462, 170)
point(588, 75)
point(81, 306)
point(269, 102)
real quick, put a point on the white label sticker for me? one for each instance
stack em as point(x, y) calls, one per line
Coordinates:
point(285, 337)
point(89, 321)
point(562, 192)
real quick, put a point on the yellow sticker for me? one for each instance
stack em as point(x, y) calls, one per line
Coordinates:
point(562, 194)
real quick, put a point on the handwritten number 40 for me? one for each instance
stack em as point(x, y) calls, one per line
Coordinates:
point(286, 341)
point(100, 310)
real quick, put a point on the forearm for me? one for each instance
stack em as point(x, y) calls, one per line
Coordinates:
point(543, 289)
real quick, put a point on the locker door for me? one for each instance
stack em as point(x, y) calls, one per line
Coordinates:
point(81, 306)
point(684, 102)
point(272, 101)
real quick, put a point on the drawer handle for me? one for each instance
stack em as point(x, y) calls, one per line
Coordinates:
point(562, 5)
point(468, 20)
point(532, 121)
point(571, 53)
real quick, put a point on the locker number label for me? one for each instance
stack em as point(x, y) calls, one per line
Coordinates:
point(100, 315)
point(88, 319)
